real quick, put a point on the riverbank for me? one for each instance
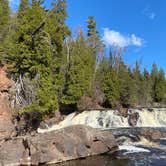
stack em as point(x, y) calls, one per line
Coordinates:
point(69, 143)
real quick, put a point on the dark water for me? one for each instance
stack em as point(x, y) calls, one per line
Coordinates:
point(155, 157)
point(135, 160)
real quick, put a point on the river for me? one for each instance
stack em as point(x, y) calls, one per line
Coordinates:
point(141, 153)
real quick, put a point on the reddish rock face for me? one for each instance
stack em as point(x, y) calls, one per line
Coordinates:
point(6, 126)
point(5, 82)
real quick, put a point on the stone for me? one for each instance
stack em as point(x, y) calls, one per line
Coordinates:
point(6, 125)
point(152, 134)
point(133, 119)
point(11, 152)
point(5, 82)
point(69, 143)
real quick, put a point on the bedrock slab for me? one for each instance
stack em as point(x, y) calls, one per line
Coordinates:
point(69, 143)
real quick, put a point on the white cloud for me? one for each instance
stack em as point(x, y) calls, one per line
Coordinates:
point(152, 16)
point(149, 13)
point(115, 38)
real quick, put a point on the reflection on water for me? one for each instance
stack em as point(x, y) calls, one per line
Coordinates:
point(96, 161)
point(135, 160)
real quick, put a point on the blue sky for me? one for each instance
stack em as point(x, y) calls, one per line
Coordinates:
point(137, 25)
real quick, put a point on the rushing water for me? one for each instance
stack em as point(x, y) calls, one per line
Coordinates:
point(139, 153)
point(111, 119)
point(143, 153)
point(153, 158)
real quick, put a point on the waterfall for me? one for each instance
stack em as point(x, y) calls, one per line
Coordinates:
point(154, 118)
point(111, 119)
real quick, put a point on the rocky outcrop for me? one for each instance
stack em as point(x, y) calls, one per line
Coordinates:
point(53, 147)
point(6, 125)
point(5, 83)
point(133, 117)
point(152, 134)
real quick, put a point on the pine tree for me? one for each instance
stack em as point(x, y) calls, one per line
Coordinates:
point(126, 86)
point(94, 40)
point(160, 86)
point(4, 18)
point(24, 4)
point(31, 56)
point(97, 46)
point(80, 71)
point(4, 23)
point(154, 75)
point(109, 82)
point(146, 98)
point(138, 83)
point(110, 88)
point(58, 31)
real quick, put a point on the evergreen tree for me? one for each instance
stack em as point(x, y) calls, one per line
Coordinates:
point(24, 4)
point(110, 88)
point(146, 88)
point(109, 82)
point(4, 23)
point(126, 86)
point(4, 18)
point(58, 32)
point(154, 75)
point(94, 40)
point(31, 56)
point(138, 83)
point(80, 71)
point(160, 86)
point(97, 46)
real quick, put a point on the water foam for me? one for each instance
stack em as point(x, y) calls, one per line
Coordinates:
point(132, 149)
point(110, 119)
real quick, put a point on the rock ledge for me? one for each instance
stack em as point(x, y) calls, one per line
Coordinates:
point(57, 146)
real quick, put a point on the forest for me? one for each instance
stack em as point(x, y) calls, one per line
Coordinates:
point(53, 69)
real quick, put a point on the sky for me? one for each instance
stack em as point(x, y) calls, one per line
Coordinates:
point(137, 25)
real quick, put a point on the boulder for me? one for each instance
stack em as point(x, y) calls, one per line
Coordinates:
point(152, 134)
point(133, 119)
point(57, 146)
point(11, 152)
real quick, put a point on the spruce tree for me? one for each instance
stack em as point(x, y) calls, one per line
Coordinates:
point(109, 82)
point(160, 86)
point(31, 56)
point(24, 4)
point(126, 86)
point(4, 23)
point(97, 46)
point(58, 31)
point(154, 75)
point(138, 83)
point(80, 71)
point(146, 98)
point(4, 18)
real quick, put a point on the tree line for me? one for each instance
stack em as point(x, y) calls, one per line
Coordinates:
point(54, 70)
